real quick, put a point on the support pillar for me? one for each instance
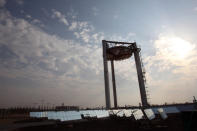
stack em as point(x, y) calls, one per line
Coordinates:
point(106, 77)
point(114, 84)
point(140, 76)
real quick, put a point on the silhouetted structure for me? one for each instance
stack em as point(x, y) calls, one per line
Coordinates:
point(115, 51)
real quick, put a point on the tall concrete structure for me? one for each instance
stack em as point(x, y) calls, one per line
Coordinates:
point(114, 84)
point(115, 51)
point(106, 77)
point(140, 76)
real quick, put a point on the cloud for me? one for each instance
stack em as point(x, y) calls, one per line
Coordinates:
point(173, 49)
point(47, 52)
point(43, 66)
point(82, 30)
point(2, 3)
point(47, 61)
point(20, 2)
point(95, 11)
point(86, 32)
point(80, 26)
point(171, 71)
point(195, 9)
point(98, 37)
point(34, 21)
point(73, 26)
point(37, 65)
point(60, 16)
point(72, 13)
point(129, 37)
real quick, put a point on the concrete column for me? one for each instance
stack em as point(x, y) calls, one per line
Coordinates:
point(140, 76)
point(114, 84)
point(106, 77)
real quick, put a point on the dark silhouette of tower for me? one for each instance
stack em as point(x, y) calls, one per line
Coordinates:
point(115, 51)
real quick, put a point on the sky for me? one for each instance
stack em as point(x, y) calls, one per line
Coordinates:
point(51, 51)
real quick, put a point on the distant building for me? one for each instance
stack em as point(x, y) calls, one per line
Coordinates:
point(68, 108)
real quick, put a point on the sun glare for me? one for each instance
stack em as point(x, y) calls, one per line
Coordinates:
point(180, 48)
point(174, 47)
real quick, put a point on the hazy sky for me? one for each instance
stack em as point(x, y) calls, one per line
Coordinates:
point(50, 50)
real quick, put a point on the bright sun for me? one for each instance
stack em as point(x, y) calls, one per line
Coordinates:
point(174, 47)
point(180, 48)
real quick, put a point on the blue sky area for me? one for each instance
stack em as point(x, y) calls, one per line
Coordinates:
point(50, 50)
